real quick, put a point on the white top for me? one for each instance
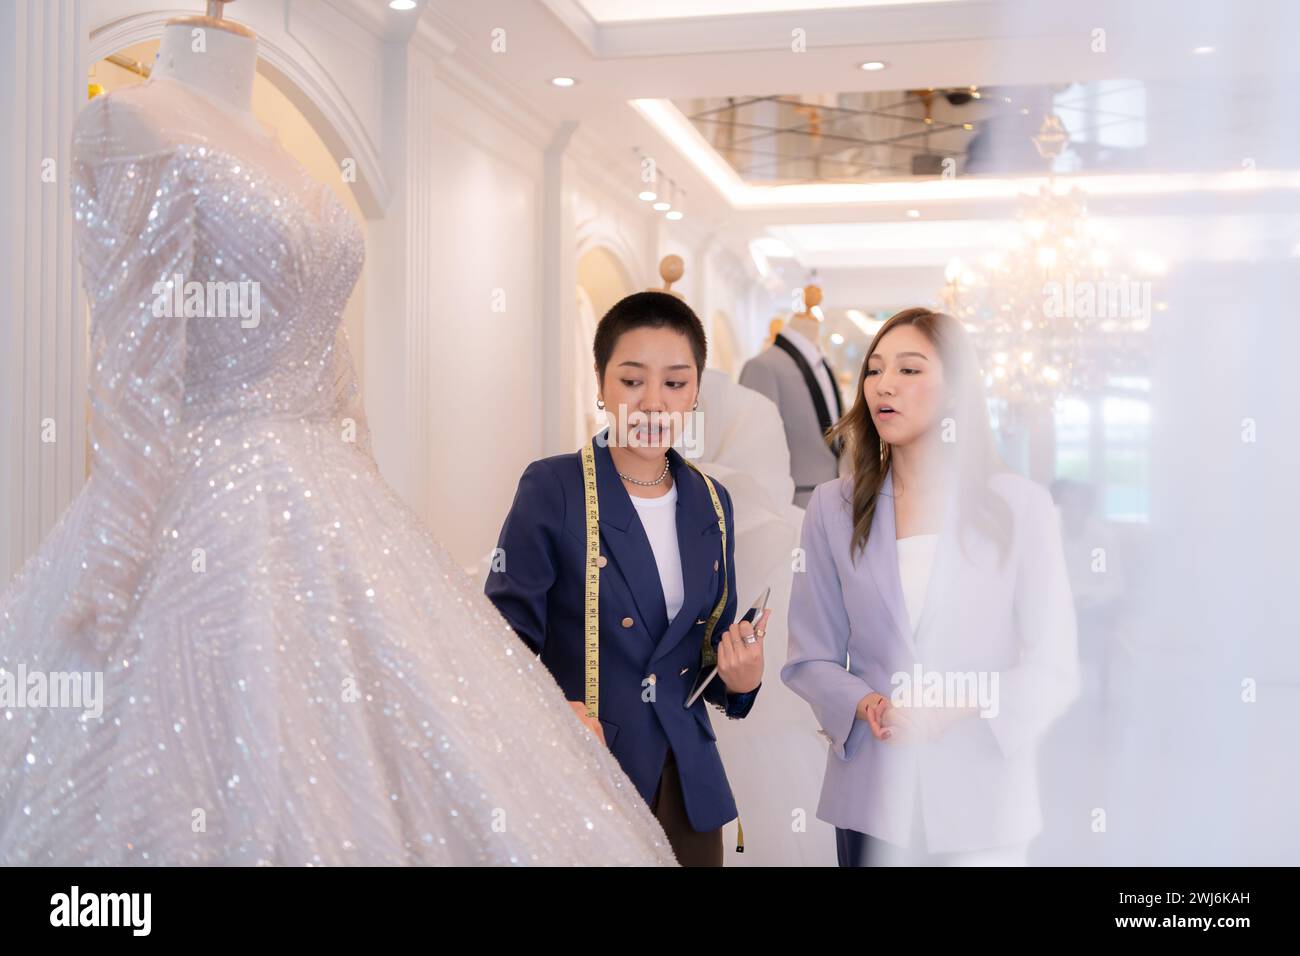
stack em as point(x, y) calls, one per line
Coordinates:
point(915, 560)
point(659, 518)
point(815, 358)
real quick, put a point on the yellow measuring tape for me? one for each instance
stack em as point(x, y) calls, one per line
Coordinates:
point(591, 609)
point(591, 602)
point(708, 656)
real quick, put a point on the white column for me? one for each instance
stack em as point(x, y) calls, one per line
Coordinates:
point(704, 295)
point(42, 310)
point(388, 313)
point(559, 282)
point(400, 296)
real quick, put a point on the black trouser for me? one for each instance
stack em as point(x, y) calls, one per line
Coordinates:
point(852, 848)
point(691, 847)
point(859, 849)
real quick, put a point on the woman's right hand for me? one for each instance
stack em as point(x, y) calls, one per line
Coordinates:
point(872, 709)
point(592, 723)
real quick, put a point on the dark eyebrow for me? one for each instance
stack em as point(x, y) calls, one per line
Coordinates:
point(899, 355)
point(671, 368)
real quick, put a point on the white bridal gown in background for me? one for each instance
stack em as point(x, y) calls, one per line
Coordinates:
point(775, 758)
point(295, 671)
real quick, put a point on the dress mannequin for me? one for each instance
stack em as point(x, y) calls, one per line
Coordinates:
point(236, 562)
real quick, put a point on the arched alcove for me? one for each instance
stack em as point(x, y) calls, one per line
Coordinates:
point(723, 352)
point(603, 279)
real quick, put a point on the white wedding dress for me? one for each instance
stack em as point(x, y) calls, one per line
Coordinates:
point(295, 672)
point(775, 757)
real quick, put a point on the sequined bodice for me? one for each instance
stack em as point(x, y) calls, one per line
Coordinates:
point(217, 272)
point(288, 258)
point(305, 261)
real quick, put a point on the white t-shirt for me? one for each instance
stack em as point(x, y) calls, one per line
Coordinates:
point(659, 518)
point(915, 560)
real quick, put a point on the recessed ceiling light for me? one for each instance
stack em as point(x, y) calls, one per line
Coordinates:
point(663, 205)
point(914, 214)
point(673, 215)
point(872, 65)
point(562, 81)
point(647, 195)
point(401, 4)
point(1201, 50)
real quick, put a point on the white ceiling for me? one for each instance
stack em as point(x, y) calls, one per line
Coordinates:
point(617, 11)
point(679, 49)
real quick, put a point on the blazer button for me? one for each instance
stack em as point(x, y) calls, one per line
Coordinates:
point(602, 561)
point(627, 622)
point(715, 565)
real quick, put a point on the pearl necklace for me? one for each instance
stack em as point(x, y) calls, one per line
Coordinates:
point(648, 484)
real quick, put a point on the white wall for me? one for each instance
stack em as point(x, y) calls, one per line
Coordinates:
point(484, 324)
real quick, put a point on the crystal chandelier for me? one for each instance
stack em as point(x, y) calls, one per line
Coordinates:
point(1051, 314)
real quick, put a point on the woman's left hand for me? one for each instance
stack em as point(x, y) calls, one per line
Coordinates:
point(740, 655)
point(913, 724)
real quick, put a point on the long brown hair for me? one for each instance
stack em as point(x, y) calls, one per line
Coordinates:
point(976, 455)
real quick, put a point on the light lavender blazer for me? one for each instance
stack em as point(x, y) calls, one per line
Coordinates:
point(976, 786)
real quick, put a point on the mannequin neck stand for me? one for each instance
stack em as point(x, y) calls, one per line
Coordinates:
point(807, 326)
point(223, 71)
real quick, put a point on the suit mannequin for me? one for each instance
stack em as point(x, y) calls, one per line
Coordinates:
point(804, 390)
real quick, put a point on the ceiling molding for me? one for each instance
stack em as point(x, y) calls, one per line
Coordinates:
point(434, 38)
point(575, 17)
point(869, 27)
point(490, 96)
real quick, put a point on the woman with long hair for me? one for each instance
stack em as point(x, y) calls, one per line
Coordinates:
point(931, 628)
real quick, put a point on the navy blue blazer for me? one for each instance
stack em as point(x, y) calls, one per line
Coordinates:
point(647, 666)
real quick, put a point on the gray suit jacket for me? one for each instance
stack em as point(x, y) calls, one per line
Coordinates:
point(774, 374)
